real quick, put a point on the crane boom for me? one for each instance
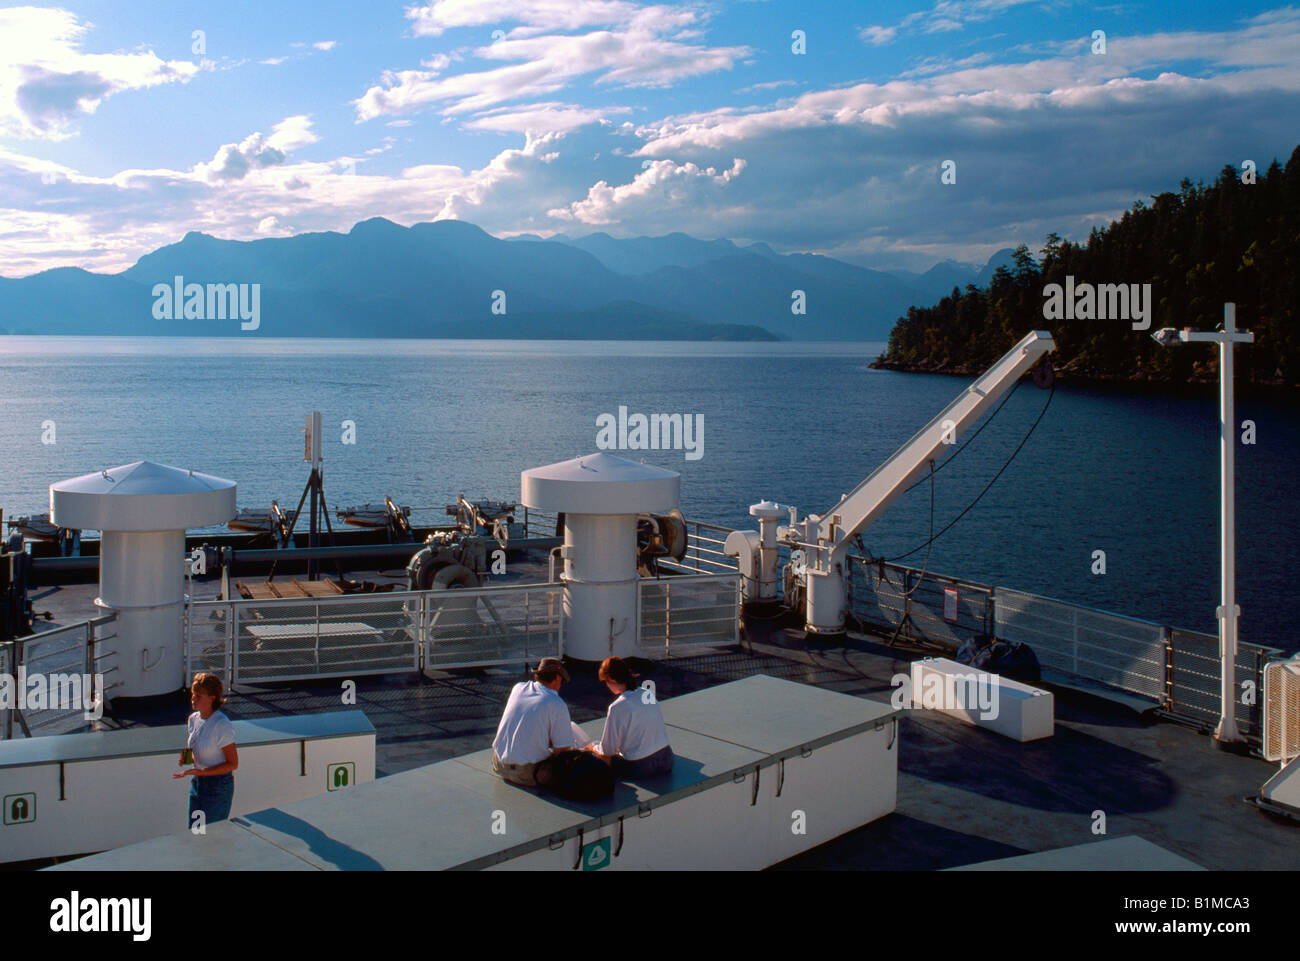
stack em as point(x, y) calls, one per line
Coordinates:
point(826, 539)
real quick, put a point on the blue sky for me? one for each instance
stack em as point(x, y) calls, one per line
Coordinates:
point(120, 130)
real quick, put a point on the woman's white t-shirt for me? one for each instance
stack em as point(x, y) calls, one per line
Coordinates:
point(634, 726)
point(207, 738)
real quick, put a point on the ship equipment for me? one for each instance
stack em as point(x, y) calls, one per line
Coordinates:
point(142, 511)
point(397, 520)
point(484, 517)
point(602, 497)
point(819, 544)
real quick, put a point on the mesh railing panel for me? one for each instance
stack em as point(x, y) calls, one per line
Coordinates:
point(293, 640)
point(1194, 676)
point(207, 638)
point(1122, 652)
point(60, 658)
point(689, 610)
point(880, 596)
point(497, 626)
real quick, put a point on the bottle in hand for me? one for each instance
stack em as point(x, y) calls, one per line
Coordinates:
point(187, 756)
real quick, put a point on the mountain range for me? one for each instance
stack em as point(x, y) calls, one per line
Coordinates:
point(449, 278)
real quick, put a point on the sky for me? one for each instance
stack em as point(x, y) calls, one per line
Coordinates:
point(817, 127)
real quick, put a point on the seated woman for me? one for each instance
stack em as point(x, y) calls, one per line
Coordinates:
point(635, 741)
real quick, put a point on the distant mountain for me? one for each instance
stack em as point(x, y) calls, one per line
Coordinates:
point(1003, 258)
point(938, 282)
point(637, 256)
point(451, 279)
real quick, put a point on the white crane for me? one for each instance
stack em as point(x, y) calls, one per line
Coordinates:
point(824, 540)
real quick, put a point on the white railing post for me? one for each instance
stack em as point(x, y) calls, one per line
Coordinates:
point(421, 633)
point(640, 591)
point(233, 650)
point(735, 611)
point(668, 615)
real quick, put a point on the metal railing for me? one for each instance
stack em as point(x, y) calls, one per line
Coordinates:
point(295, 639)
point(1194, 671)
point(1176, 669)
point(1122, 652)
point(539, 523)
point(704, 551)
point(492, 625)
point(905, 602)
point(688, 609)
point(70, 660)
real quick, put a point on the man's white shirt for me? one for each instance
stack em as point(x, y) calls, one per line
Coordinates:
point(536, 720)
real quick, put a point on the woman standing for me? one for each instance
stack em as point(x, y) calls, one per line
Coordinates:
point(635, 741)
point(211, 746)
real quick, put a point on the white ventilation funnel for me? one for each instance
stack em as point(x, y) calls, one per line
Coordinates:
point(600, 496)
point(142, 511)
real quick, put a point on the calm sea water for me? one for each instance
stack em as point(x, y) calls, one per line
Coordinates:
point(1135, 476)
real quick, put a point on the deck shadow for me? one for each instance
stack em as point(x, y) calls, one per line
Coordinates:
point(1066, 773)
point(898, 843)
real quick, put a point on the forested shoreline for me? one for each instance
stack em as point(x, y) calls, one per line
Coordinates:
point(1231, 241)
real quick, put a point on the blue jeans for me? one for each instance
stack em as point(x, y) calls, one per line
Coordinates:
point(660, 762)
point(211, 795)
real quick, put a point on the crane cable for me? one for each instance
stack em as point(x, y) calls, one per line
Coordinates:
point(972, 437)
point(933, 536)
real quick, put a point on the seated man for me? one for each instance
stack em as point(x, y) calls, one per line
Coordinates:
point(635, 741)
point(535, 725)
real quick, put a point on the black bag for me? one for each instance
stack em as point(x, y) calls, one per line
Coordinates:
point(575, 776)
point(1009, 658)
point(971, 649)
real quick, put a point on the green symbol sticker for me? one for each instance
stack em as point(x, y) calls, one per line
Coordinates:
point(595, 855)
point(340, 775)
point(19, 808)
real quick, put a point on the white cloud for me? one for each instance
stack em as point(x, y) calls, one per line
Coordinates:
point(47, 81)
point(1061, 142)
point(662, 184)
point(325, 45)
point(433, 19)
point(539, 119)
point(944, 17)
point(254, 152)
point(878, 36)
point(642, 47)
